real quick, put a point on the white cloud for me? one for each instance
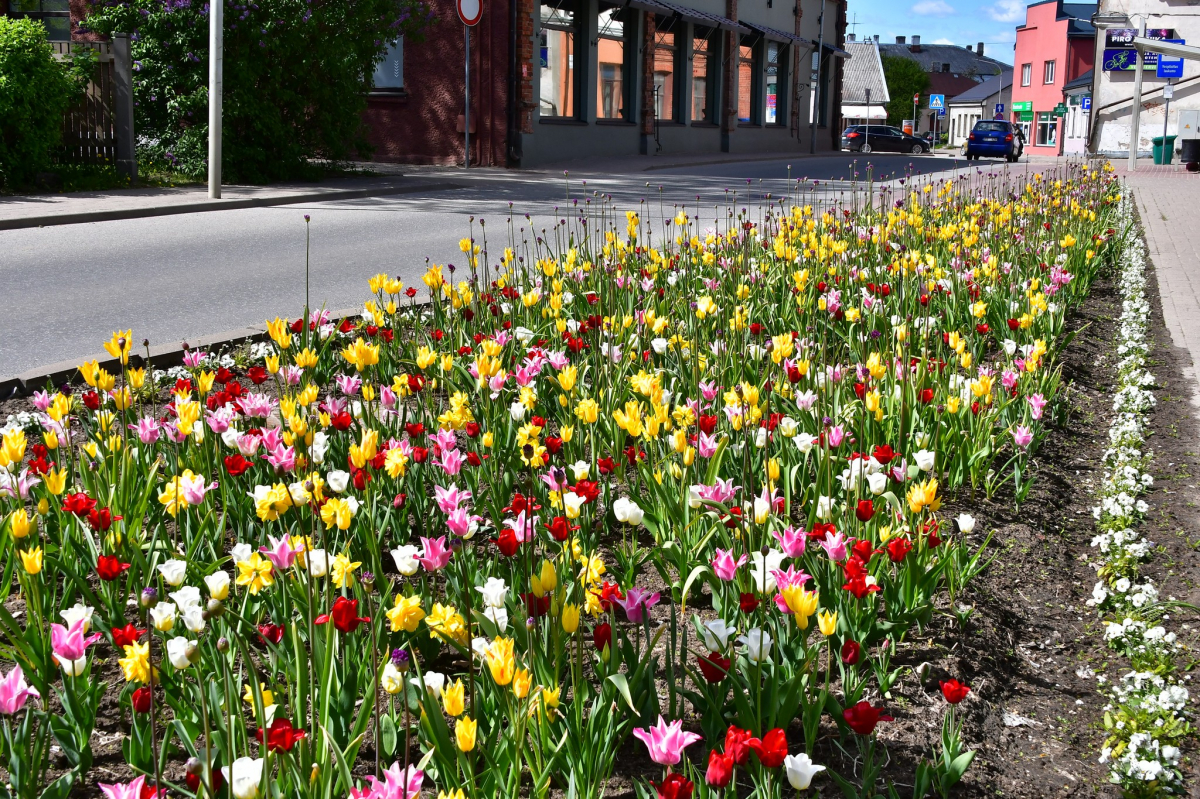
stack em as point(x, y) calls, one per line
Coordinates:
point(934, 8)
point(943, 40)
point(1007, 10)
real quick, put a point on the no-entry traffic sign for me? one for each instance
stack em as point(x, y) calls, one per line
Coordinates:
point(469, 11)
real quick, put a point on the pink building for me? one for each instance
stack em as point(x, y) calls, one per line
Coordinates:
point(1054, 47)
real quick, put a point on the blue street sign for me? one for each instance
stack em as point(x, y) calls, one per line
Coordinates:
point(999, 108)
point(937, 102)
point(1169, 66)
point(1086, 104)
point(941, 112)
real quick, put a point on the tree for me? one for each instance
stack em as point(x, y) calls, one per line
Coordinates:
point(296, 76)
point(905, 78)
point(35, 91)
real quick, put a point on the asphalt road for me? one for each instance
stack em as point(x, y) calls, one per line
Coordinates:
point(64, 289)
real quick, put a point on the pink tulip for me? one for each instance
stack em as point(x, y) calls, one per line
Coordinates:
point(280, 553)
point(460, 522)
point(836, 434)
point(791, 540)
point(666, 742)
point(451, 461)
point(397, 783)
point(445, 439)
point(707, 445)
point(1037, 404)
point(835, 546)
point(448, 499)
point(129, 790)
point(194, 489)
point(1022, 436)
point(436, 555)
point(69, 643)
point(14, 692)
point(725, 566)
point(348, 384)
point(636, 602)
point(148, 429)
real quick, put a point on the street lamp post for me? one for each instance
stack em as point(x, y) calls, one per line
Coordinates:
point(817, 95)
point(1137, 103)
point(215, 71)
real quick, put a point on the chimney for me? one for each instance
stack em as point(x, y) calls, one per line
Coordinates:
point(916, 44)
point(877, 38)
point(849, 37)
point(980, 48)
point(899, 40)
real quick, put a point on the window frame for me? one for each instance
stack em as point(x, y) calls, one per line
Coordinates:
point(712, 43)
point(575, 32)
point(781, 82)
point(1048, 72)
point(756, 70)
point(676, 52)
point(1046, 123)
point(628, 52)
point(392, 90)
point(1027, 74)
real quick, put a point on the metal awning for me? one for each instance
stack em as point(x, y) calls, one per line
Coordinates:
point(650, 6)
point(836, 52)
point(1166, 48)
point(699, 17)
point(775, 35)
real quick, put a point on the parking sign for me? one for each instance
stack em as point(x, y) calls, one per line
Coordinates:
point(1086, 104)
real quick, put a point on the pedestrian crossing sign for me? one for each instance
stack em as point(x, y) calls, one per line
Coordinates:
point(937, 102)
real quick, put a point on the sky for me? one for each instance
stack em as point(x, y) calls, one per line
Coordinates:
point(992, 22)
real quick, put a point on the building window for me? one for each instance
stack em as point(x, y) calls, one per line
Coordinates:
point(1048, 73)
point(1026, 74)
point(389, 73)
point(747, 90)
point(559, 40)
point(55, 16)
point(702, 77)
point(665, 55)
point(611, 65)
point(1047, 130)
point(773, 114)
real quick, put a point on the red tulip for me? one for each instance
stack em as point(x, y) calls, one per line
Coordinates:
point(865, 510)
point(588, 489)
point(79, 504)
point(748, 603)
point(884, 454)
point(281, 735)
point(344, 614)
point(954, 691)
point(863, 717)
point(508, 543)
point(125, 636)
point(602, 636)
point(675, 786)
point(193, 780)
point(560, 529)
point(606, 465)
point(414, 429)
point(110, 567)
point(236, 465)
point(772, 749)
point(851, 650)
point(271, 632)
point(142, 698)
point(91, 400)
point(898, 549)
point(257, 375)
point(720, 769)
point(713, 666)
point(737, 745)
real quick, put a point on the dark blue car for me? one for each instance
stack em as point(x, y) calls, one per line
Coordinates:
point(993, 138)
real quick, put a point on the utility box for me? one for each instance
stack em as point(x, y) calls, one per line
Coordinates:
point(1189, 124)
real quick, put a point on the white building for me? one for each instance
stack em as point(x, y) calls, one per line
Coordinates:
point(862, 79)
point(1112, 89)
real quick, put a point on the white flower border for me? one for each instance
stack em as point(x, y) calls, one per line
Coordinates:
point(1145, 711)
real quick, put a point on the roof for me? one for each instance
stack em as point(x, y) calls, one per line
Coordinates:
point(773, 34)
point(1084, 81)
point(962, 60)
point(693, 15)
point(949, 84)
point(863, 71)
point(982, 91)
point(1079, 17)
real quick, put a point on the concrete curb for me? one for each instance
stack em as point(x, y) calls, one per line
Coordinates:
point(216, 205)
point(162, 356)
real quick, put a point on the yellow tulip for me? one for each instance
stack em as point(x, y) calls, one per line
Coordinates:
point(19, 523)
point(570, 619)
point(453, 698)
point(464, 733)
point(31, 559)
point(827, 622)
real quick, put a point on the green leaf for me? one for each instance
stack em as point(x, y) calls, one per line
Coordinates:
point(622, 685)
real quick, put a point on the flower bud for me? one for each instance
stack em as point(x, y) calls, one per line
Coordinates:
point(222, 644)
point(149, 597)
point(215, 608)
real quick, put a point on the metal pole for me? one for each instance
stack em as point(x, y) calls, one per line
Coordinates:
point(1097, 76)
point(1135, 113)
point(868, 134)
point(1166, 111)
point(817, 94)
point(216, 25)
point(467, 108)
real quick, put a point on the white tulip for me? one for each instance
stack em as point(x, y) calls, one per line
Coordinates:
point(230, 437)
point(406, 559)
point(320, 447)
point(499, 617)
point(173, 571)
point(757, 643)
point(241, 552)
point(659, 345)
point(177, 652)
point(163, 616)
point(581, 469)
point(804, 442)
point(824, 508)
point(516, 412)
point(337, 480)
point(924, 459)
point(186, 597)
point(800, 770)
point(627, 511)
point(78, 612)
point(318, 562)
point(72, 668)
point(217, 584)
point(193, 619)
point(762, 566)
point(877, 483)
point(966, 522)
point(432, 680)
point(494, 592)
point(716, 634)
point(244, 777)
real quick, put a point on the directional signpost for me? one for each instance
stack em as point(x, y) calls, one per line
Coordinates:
point(937, 102)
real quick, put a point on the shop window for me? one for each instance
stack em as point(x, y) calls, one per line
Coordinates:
point(747, 89)
point(559, 42)
point(1047, 130)
point(611, 65)
point(55, 16)
point(703, 96)
point(773, 114)
point(666, 54)
point(389, 73)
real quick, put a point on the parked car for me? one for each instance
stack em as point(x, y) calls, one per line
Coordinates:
point(881, 139)
point(993, 138)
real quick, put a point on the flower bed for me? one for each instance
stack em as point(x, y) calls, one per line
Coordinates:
point(1146, 719)
point(606, 486)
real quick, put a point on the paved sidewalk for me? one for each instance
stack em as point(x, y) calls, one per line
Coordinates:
point(1167, 201)
point(103, 206)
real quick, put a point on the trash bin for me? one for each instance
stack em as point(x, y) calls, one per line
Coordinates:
point(1189, 151)
point(1164, 149)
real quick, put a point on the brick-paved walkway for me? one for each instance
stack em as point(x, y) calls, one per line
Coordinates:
point(1167, 202)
